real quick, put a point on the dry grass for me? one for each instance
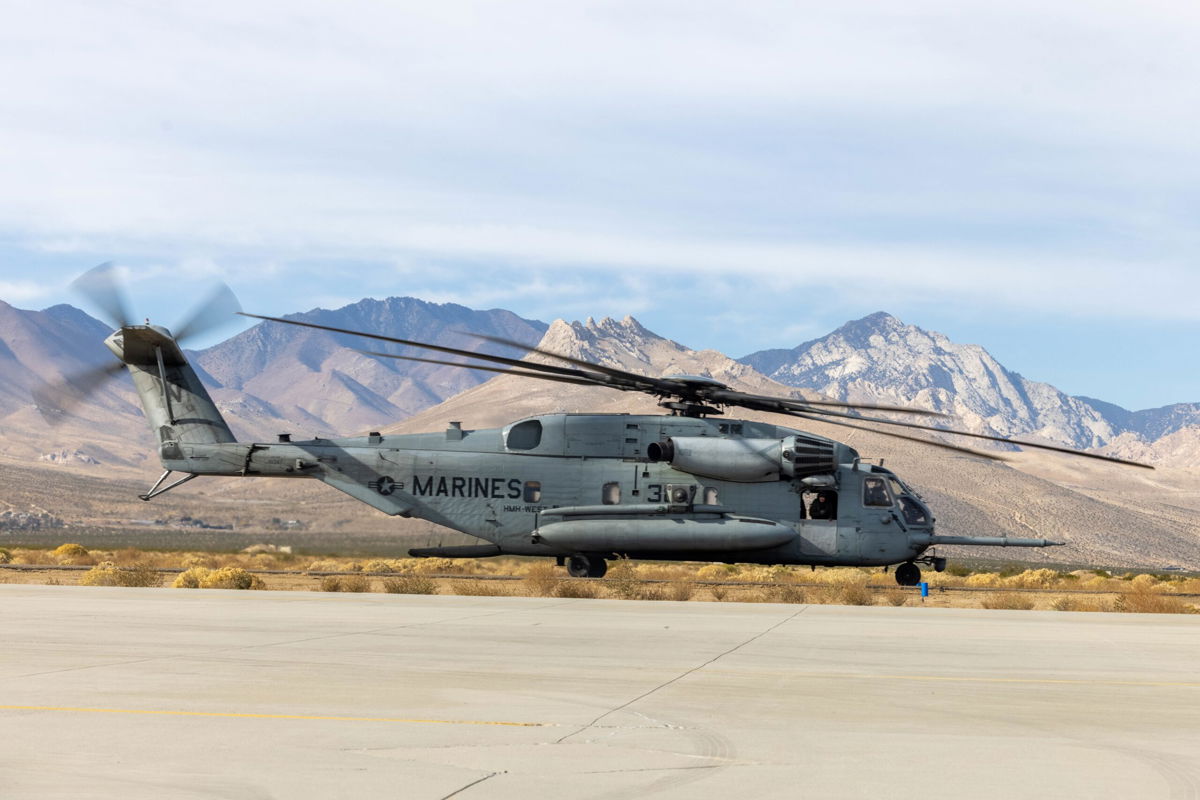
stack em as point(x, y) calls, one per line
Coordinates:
point(410, 584)
point(1008, 600)
point(541, 579)
point(584, 589)
point(345, 583)
point(478, 588)
point(681, 590)
point(109, 574)
point(221, 578)
point(1136, 593)
point(1151, 602)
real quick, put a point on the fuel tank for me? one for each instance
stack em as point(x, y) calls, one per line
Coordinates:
point(722, 534)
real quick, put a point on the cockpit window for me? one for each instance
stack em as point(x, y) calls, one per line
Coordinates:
point(875, 493)
point(913, 511)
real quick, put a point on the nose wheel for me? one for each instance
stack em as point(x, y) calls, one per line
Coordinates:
point(581, 566)
point(908, 574)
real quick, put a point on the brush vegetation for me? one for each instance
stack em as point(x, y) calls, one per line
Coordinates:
point(1084, 590)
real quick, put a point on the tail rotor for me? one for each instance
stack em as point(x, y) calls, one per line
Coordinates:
point(102, 288)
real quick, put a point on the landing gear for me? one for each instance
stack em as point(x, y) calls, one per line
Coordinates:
point(581, 566)
point(908, 574)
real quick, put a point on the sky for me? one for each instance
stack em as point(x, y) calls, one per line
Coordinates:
point(743, 176)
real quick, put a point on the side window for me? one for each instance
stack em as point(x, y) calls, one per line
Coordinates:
point(824, 505)
point(610, 495)
point(875, 493)
point(533, 491)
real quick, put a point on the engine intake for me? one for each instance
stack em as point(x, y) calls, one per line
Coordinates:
point(746, 460)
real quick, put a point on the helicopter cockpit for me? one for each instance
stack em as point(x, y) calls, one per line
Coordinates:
point(884, 489)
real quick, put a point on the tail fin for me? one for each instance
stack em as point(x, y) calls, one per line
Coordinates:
point(176, 404)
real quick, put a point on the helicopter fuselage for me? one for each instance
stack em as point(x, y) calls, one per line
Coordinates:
point(654, 486)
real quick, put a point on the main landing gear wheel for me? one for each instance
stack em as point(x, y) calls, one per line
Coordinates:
point(908, 574)
point(586, 567)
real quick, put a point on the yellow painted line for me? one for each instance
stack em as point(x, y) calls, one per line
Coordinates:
point(237, 715)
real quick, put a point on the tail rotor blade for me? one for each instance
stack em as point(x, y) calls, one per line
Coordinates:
point(219, 308)
point(101, 286)
point(56, 400)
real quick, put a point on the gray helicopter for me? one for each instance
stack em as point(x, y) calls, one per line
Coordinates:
point(688, 485)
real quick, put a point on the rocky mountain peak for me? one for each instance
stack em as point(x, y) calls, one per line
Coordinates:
point(624, 343)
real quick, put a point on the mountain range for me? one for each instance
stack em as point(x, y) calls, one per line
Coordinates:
point(880, 359)
point(271, 379)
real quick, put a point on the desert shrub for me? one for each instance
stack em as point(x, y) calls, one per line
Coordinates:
point(380, 565)
point(587, 589)
point(716, 572)
point(1033, 579)
point(1145, 583)
point(894, 597)
point(69, 551)
point(1008, 600)
point(190, 578)
point(107, 573)
point(787, 593)
point(197, 560)
point(718, 592)
point(622, 581)
point(5, 555)
point(32, 557)
point(1146, 602)
point(409, 584)
point(649, 592)
point(1063, 604)
point(355, 583)
point(1102, 573)
point(431, 566)
point(985, 580)
point(681, 590)
point(477, 588)
point(331, 583)
point(230, 578)
point(324, 565)
point(853, 594)
point(541, 579)
point(958, 570)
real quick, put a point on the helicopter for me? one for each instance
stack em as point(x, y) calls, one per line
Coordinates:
point(689, 484)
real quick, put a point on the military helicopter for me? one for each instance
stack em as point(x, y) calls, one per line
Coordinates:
point(689, 484)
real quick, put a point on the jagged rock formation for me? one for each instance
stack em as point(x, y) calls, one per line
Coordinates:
point(879, 358)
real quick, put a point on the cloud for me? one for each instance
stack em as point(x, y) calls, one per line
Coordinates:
point(576, 156)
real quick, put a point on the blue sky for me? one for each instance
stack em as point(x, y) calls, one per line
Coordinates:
point(737, 176)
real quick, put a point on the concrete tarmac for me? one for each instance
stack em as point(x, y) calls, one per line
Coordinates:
point(140, 693)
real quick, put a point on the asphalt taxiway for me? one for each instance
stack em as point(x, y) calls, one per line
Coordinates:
point(137, 693)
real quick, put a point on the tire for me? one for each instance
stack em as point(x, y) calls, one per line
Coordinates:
point(908, 574)
point(579, 566)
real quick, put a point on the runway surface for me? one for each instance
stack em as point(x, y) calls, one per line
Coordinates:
point(138, 693)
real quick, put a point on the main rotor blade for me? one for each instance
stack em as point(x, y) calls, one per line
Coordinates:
point(56, 400)
point(639, 382)
point(763, 402)
point(215, 310)
point(100, 285)
point(987, 437)
point(512, 362)
point(484, 368)
point(894, 435)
